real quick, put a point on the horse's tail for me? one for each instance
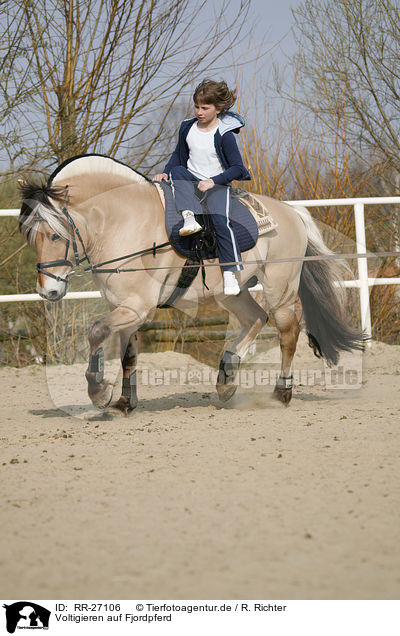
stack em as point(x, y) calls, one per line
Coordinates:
point(326, 325)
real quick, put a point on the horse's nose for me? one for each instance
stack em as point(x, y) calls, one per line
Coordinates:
point(53, 294)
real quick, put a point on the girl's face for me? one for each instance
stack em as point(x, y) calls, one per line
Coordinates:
point(206, 113)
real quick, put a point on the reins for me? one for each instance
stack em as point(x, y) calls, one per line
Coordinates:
point(259, 262)
point(98, 268)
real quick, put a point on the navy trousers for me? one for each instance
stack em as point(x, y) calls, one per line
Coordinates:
point(219, 205)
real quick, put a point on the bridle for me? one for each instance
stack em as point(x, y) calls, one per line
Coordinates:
point(42, 267)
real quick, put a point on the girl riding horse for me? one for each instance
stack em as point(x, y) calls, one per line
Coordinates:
point(207, 159)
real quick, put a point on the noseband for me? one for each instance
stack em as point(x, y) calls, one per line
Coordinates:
point(42, 267)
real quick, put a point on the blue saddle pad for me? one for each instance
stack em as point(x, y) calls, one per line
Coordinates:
point(243, 224)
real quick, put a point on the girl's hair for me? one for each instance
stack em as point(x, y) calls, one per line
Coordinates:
point(216, 93)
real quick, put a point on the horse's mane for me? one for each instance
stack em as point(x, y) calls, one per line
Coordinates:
point(96, 164)
point(38, 199)
point(37, 206)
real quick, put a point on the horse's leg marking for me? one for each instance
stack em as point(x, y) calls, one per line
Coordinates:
point(98, 332)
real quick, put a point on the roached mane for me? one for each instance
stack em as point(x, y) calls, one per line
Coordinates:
point(94, 163)
point(39, 199)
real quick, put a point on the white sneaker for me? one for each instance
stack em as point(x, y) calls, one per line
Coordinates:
point(190, 225)
point(231, 286)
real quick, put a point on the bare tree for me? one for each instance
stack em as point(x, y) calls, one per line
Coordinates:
point(348, 77)
point(90, 76)
point(349, 71)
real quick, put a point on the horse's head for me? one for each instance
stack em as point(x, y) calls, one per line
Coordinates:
point(47, 230)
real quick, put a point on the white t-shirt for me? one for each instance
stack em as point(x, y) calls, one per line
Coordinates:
point(203, 160)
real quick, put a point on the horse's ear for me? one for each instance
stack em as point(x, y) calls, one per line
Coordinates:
point(22, 183)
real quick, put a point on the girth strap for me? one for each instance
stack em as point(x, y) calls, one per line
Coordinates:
point(187, 276)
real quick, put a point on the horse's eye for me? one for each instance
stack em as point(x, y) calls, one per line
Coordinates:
point(55, 237)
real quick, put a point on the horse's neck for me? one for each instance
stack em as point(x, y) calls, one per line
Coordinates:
point(122, 226)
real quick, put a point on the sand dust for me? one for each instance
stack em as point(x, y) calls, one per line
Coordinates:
point(192, 499)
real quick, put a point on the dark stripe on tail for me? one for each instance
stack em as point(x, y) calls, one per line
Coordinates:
point(328, 333)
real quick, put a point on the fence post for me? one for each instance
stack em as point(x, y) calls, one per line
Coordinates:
point(362, 269)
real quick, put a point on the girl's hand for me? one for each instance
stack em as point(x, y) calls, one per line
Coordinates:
point(205, 185)
point(160, 177)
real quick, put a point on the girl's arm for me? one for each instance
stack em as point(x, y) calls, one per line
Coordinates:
point(236, 168)
point(173, 160)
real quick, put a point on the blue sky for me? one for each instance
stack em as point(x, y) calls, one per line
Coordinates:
point(275, 20)
point(273, 33)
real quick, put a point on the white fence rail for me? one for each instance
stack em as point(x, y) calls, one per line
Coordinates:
point(363, 283)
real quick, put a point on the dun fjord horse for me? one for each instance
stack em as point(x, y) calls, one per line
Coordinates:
point(98, 209)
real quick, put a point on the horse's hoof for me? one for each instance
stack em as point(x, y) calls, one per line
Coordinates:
point(282, 395)
point(122, 406)
point(226, 392)
point(103, 396)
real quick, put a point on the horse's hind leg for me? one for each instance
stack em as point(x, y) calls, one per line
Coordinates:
point(288, 327)
point(253, 318)
point(128, 400)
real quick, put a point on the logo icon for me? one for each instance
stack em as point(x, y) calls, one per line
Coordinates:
point(26, 615)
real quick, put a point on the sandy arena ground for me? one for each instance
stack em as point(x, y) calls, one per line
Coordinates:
point(189, 500)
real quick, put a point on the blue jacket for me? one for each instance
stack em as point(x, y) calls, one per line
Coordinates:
point(225, 146)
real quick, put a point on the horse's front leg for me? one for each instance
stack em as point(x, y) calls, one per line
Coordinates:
point(128, 400)
point(100, 390)
point(123, 318)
